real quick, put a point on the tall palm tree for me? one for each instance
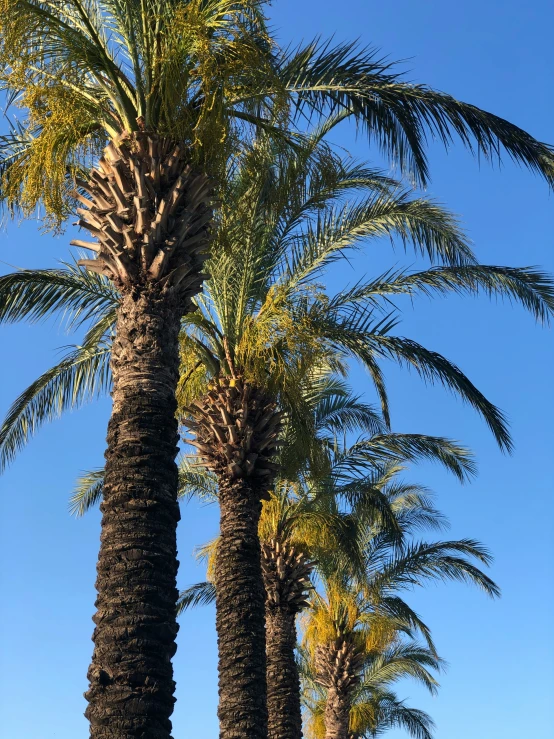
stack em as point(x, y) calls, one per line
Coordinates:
point(304, 532)
point(261, 324)
point(302, 518)
point(140, 104)
point(307, 521)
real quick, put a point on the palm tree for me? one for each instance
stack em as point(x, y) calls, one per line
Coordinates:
point(374, 707)
point(354, 626)
point(302, 522)
point(262, 312)
point(305, 522)
point(131, 110)
point(302, 518)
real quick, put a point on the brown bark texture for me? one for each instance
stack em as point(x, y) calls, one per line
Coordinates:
point(131, 676)
point(338, 668)
point(286, 580)
point(149, 213)
point(237, 427)
point(283, 681)
point(240, 616)
point(337, 715)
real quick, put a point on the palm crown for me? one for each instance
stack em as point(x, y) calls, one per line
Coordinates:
point(284, 220)
point(201, 72)
point(358, 635)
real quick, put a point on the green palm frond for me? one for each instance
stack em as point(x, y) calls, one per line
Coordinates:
point(75, 293)
point(87, 492)
point(361, 336)
point(398, 114)
point(201, 594)
point(340, 412)
point(433, 367)
point(397, 661)
point(82, 375)
point(382, 711)
point(406, 619)
point(370, 454)
point(413, 507)
point(445, 560)
point(196, 481)
point(431, 229)
point(530, 286)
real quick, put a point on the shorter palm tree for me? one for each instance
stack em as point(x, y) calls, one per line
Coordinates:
point(375, 708)
point(305, 520)
point(352, 619)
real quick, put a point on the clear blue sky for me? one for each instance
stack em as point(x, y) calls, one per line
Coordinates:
point(496, 54)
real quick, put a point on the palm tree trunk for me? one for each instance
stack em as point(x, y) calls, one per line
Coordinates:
point(131, 675)
point(283, 681)
point(337, 715)
point(240, 614)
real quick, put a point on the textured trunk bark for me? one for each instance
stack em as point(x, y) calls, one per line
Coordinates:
point(337, 715)
point(131, 675)
point(240, 614)
point(283, 681)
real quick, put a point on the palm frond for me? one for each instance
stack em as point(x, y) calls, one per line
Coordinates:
point(87, 492)
point(83, 374)
point(34, 295)
point(372, 453)
point(445, 560)
point(397, 114)
point(433, 367)
point(398, 661)
point(395, 608)
point(529, 286)
point(456, 458)
point(196, 480)
point(201, 594)
point(382, 711)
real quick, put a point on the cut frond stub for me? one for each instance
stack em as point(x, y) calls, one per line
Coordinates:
point(150, 214)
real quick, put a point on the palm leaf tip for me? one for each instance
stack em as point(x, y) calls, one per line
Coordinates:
point(433, 367)
point(201, 594)
point(87, 492)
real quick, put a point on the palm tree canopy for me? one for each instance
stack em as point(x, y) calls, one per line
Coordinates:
point(285, 219)
point(202, 72)
point(362, 609)
point(323, 510)
point(375, 708)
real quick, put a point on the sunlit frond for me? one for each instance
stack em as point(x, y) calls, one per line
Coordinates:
point(82, 375)
point(446, 560)
point(196, 481)
point(75, 294)
point(87, 492)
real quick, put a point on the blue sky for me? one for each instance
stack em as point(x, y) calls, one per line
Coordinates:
point(492, 53)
